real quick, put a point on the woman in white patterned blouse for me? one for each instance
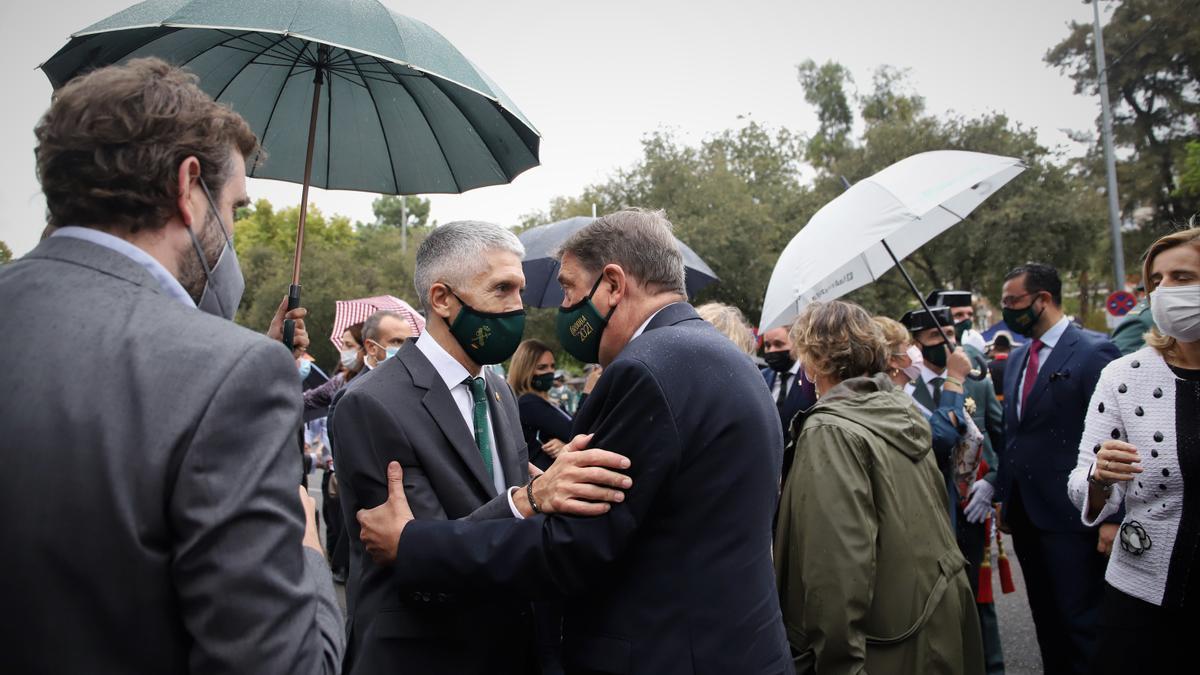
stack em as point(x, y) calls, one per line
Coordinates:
point(1141, 451)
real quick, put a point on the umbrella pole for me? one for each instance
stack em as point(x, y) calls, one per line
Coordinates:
point(912, 286)
point(289, 326)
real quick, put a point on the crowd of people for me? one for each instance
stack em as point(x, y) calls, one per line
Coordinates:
point(824, 499)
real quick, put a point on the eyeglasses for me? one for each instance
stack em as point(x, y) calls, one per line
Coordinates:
point(1008, 300)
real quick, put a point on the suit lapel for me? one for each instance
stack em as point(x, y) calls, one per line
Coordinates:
point(921, 394)
point(503, 430)
point(445, 413)
point(1059, 355)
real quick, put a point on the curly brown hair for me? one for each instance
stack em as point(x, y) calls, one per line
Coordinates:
point(839, 340)
point(110, 145)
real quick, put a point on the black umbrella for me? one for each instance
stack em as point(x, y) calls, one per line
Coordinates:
point(541, 267)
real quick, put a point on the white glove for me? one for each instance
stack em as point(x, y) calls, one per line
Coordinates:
point(980, 505)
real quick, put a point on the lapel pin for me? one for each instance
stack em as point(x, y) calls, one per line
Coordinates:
point(497, 397)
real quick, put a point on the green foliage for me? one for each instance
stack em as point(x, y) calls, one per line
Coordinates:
point(5, 253)
point(340, 262)
point(1189, 179)
point(824, 89)
point(1153, 51)
point(389, 212)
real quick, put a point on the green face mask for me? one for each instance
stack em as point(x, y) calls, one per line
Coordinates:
point(580, 327)
point(487, 337)
point(543, 382)
point(961, 328)
point(1021, 321)
point(935, 354)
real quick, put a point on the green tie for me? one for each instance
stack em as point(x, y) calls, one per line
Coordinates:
point(482, 437)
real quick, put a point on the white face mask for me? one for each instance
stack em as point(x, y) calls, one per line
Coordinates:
point(913, 371)
point(349, 358)
point(1176, 311)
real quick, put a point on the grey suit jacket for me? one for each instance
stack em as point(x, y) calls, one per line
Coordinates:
point(402, 411)
point(151, 518)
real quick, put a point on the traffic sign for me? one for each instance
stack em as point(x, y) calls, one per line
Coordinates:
point(1121, 303)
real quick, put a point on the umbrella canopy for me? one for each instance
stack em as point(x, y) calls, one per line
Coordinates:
point(349, 312)
point(402, 111)
point(541, 267)
point(845, 245)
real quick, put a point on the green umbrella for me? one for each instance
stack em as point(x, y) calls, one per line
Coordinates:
point(386, 103)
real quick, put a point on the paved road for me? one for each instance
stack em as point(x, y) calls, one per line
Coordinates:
point(1021, 656)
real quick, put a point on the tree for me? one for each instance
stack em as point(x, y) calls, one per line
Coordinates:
point(341, 262)
point(5, 253)
point(1153, 54)
point(387, 210)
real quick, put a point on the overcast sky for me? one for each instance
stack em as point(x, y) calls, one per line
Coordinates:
point(595, 77)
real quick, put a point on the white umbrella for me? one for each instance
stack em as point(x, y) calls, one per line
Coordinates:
point(876, 223)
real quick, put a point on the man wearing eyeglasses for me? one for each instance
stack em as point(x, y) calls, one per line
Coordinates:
point(1048, 385)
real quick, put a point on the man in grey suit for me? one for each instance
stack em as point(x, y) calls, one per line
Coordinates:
point(455, 428)
point(152, 516)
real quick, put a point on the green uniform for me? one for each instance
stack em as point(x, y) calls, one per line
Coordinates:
point(1128, 335)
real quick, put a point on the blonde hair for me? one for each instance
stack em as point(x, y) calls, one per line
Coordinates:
point(1165, 344)
point(520, 369)
point(840, 340)
point(895, 335)
point(731, 323)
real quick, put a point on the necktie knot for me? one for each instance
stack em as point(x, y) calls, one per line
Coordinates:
point(1036, 345)
point(478, 388)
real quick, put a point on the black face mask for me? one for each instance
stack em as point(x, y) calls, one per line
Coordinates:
point(935, 354)
point(780, 361)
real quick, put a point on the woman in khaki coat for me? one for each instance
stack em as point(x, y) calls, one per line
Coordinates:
point(870, 577)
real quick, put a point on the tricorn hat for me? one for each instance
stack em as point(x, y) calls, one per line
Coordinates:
point(919, 320)
point(947, 298)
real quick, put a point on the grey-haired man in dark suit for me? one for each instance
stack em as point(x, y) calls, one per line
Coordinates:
point(454, 427)
point(153, 457)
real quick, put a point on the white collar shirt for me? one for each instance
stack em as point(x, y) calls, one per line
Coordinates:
point(1049, 340)
point(453, 374)
point(793, 372)
point(170, 285)
point(642, 328)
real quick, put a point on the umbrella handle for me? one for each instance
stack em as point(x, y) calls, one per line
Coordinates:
point(289, 326)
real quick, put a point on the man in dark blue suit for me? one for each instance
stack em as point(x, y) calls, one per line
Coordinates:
point(1048, 384)
point(676, 578)
point(790, 389)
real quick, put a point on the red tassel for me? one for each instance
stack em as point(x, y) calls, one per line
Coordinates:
point(1006, 580)
point(984, 597)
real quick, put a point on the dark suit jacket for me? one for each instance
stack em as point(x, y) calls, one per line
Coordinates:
point(798, 398)
point(151, 521)
point(1043, 445)
point(678, 577)
point(403, 411)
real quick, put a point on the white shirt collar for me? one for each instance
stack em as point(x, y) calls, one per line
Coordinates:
point(795, 369)
point(1055, 333)
point(170, 285)
point(641, 329)
point(927, 374)
point(448, 368)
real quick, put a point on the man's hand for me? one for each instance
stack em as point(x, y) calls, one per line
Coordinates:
point(553, 447)
point(312, 538)
point(958, 364)
point(579, 482)
point(380, 527)
point(980, 504)
point(275, 331)
point(1108, 533)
